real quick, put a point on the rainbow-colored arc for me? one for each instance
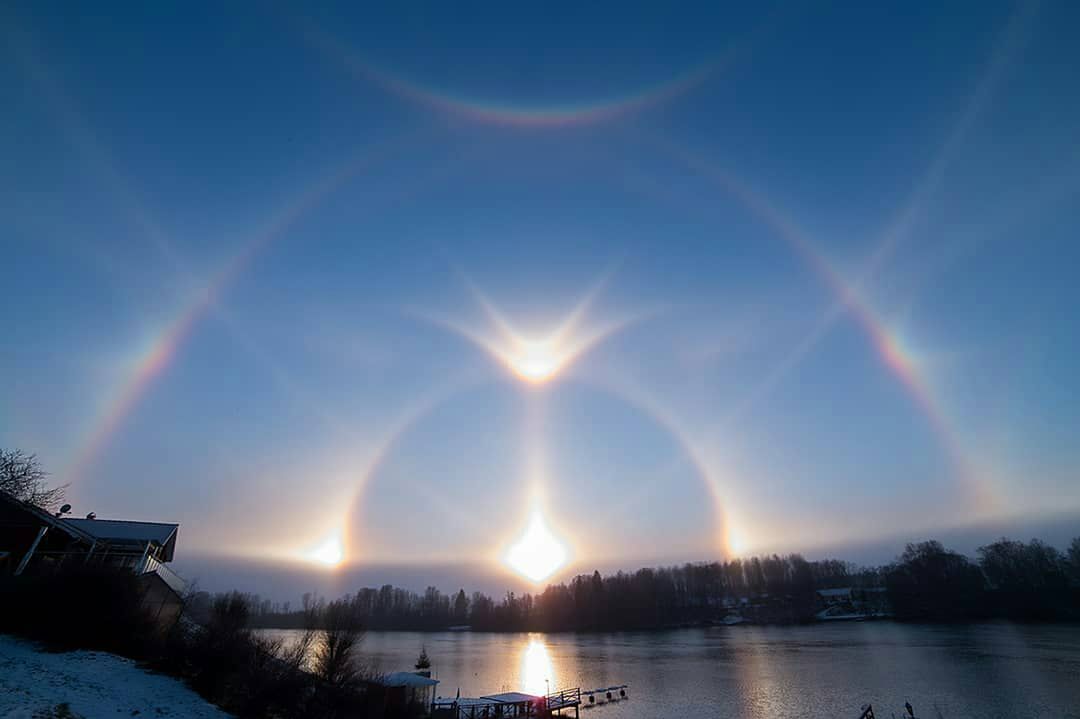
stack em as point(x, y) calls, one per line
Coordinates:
point(152, 362)
point(166, 344)
point(886, 343)
point(692, 449)
point(634, 396)
point(848, 296)
point(498, 340)
point(491, 111)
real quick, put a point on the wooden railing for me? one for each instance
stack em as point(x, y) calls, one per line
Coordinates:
point(170, 577)
point(564, 698)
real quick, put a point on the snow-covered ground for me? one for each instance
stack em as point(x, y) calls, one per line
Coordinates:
point(94, 685)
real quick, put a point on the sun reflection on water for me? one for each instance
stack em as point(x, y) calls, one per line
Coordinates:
point(537, 671)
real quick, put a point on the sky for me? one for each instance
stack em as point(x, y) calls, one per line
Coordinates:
point(391, 286)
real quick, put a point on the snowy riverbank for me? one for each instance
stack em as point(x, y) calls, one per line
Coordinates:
point(93, 685)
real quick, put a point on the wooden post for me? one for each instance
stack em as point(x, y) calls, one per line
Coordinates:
point(30, 552)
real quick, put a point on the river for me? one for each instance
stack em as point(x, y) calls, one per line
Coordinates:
point(824, 670)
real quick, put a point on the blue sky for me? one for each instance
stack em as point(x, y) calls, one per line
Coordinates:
point(237, 236)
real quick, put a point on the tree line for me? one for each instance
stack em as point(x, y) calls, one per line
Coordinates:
point(1030, 581)
point(1009, 579)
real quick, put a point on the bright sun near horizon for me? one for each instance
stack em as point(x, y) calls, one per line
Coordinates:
point(330, 552)
point(514, 359)
point(538, 553)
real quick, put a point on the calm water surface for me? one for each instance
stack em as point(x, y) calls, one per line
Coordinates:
point(980, 671)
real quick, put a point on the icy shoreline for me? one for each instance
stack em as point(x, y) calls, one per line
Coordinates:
point(92, 685)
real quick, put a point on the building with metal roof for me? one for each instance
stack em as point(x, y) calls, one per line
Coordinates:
point(35, 542)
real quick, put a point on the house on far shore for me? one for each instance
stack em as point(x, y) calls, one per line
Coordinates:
point(34, 542)
point(852, 603)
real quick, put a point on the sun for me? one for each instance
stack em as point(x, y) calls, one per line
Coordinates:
point(536, 357)
point(329, 553)
point(536, 361)
point(735, 544)
point(538, 553)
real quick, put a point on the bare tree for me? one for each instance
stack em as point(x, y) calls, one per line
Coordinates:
point(335, 660)
point(299, 654)
point(22, 477)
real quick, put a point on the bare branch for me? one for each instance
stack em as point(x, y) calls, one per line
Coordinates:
point(22, 477)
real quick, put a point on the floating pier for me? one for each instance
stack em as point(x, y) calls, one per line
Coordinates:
point(519, 704)
point(605, 695)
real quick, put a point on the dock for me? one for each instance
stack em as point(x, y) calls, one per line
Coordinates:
point(519, 704)
point(605, 695)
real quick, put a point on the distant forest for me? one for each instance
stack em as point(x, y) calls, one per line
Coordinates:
point(1030, 581)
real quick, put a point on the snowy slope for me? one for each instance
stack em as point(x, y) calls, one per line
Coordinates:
point(94, 685)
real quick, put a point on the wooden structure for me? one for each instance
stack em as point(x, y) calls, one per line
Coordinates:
point(605, 695)
point(35, 542)
point(406, 690)
point(508, 705)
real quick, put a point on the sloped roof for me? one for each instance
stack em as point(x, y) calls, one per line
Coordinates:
point(118, 531)
point(46, 518)
point(464, 701)
point(511, 698)
point(408, 679)
point(489, 701)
